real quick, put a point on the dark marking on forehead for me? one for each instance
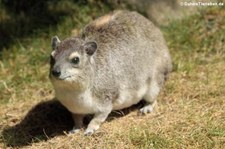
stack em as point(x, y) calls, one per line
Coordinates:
point(68, 45)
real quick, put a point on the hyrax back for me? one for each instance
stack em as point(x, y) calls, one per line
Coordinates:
point(117, 60)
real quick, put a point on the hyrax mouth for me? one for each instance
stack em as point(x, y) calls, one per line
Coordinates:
point(62, 78)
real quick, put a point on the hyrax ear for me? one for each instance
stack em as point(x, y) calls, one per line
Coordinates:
point(90, 47)
point(55, 42)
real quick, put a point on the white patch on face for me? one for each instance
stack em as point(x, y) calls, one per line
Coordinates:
point(74, 54)
point(53, 53)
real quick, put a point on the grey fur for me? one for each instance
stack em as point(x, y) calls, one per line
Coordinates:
point(130, 62)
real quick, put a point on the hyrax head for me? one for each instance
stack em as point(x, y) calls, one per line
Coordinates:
point(71, 59)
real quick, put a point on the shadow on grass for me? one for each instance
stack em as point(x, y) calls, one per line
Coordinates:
point(47, 120)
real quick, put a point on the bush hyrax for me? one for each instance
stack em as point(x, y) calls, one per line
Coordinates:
point(116, 61)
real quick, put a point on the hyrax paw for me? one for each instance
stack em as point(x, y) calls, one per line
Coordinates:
point(88, 132)
point(74, 130)
point(146, 109)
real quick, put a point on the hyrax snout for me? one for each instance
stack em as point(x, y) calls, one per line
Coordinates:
point(118, 60)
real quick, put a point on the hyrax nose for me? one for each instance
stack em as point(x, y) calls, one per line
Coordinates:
point(56, 72)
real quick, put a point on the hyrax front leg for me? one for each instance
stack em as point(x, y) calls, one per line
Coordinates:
point(150, 97)
point(96, 121)
point(78, 121)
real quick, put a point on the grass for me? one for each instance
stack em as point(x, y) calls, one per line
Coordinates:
point(191, 109)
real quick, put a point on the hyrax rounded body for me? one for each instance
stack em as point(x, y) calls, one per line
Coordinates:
point(117, 60)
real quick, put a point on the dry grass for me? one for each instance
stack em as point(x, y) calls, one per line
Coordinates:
point(190, 111)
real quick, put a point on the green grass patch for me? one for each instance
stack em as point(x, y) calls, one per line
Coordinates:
point(194, 39)
point(144, 139)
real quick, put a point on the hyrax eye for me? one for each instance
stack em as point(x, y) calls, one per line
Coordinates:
point(75, 60)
